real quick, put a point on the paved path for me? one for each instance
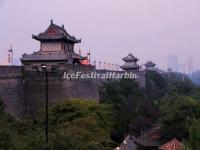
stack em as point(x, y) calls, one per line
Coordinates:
point(130, 145)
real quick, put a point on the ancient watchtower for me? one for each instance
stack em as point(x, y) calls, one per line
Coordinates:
point(56, 48)
point(150, 66)
point(130, 63)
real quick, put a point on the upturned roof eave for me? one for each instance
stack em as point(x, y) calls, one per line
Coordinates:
point(62, 38)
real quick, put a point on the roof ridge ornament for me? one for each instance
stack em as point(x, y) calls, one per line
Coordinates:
point(54, 33)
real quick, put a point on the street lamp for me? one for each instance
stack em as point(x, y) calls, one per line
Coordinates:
point(44, 68)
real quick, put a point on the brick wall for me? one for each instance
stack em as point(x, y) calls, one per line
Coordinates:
point(23, 92)
point(59, 89)
point(11, 89)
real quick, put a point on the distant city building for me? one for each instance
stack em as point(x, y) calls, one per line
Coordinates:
point(190, 65)
point(169, 70)
point(173, 63)
point(149, 65)
point(187, 67)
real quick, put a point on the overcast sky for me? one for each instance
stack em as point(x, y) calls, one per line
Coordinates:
point(150, 29)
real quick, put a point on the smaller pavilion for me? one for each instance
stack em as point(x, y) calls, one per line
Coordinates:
point(150, 66)
point(130, 63)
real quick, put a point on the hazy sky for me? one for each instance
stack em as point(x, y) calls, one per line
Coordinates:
point(151, 29)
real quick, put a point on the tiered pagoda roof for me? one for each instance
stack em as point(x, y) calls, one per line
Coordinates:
point(54, 33)
point(130, 63)
point(150, 63)
point(130, 57)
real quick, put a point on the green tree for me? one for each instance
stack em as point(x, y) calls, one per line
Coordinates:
point(128, 101)
point(156, 85)
point(2, 107)
point(87, 123)
point(124, 95)
point(194, 135)
point(175, 111)
point(73, 124)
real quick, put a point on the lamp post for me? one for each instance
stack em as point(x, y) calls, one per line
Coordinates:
point(44, 67)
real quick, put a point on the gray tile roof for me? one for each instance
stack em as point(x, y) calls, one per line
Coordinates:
point(37, 56)
point(44, 57)
point(130, 57)
point(149, 63)
point(59, 33)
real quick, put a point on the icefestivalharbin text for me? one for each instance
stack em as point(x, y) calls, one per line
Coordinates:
point(95, 75)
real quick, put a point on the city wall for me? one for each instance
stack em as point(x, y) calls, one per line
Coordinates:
point(58, 89)
point(23, 92)
point(11, 89)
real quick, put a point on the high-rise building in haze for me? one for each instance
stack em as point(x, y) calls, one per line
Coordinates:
point(173, 63)
point(190, 64)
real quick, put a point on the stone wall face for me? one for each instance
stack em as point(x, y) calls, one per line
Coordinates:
point(58, 89)
point(11, 92)
point(24, 92)
point(11, 89)
point(11, 72)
